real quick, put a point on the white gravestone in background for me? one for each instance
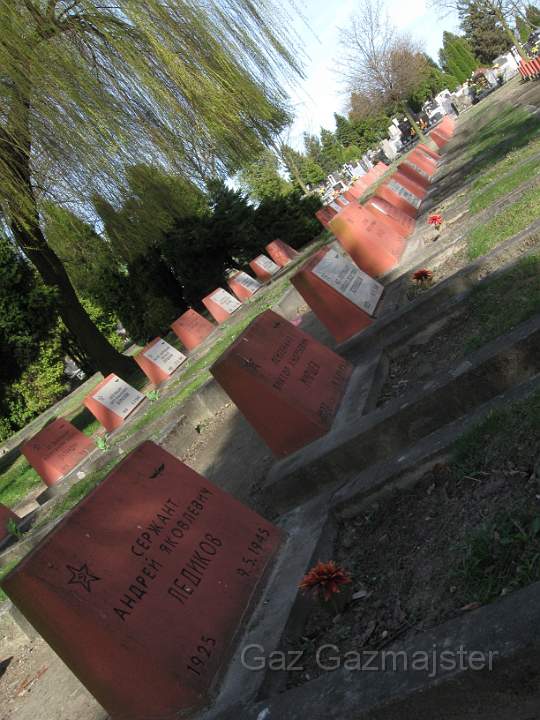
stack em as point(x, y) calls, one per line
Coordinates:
point(165, 356)
point(225, 300)
point(404, 193)
point(338, 270)
point(119, 397)
point(247, 281)
point(266, 264)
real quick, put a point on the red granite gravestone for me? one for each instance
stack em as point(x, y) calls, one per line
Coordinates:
point(408, 184)
point(374, 173)
point(342, 296)
point(158, 360)
point(142, 588)
point(287, 385)
point(7, 517)
point(372, 245)
point(418, 160)
point(358, 188)
point(447, 126)
point(192, 329)
point(112, 400)
point(243, 285)
point(399, 196)
point(395, 219)
point(221, 304)
point(415, 174)
point(263, 267)
point(428, 151)
point(439, 138)
point(280, 252)
point(56, 450)
point(324, 215)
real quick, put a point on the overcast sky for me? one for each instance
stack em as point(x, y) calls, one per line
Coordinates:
point(321, 94)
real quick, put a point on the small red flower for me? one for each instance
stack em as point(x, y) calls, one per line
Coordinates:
point(325, 579)
point(423, 276)
point(436, 220)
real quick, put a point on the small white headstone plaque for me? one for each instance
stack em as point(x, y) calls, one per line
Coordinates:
point(247, 281)
point(404, 193)
point(335, 206)
point(338, 270)
point(165, 356)
point(225, 300)
point(417, 169)
point(266, 264)
point(119, 397)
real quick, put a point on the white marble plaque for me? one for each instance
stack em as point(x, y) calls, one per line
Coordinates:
point(119, 397)
point(335, 206)
point(225, 300)
point(417, 169)
point(404, 193)
point(344, 200)
point(247, 281)
point(165, 356)
point(268, 265)
point(338, 270)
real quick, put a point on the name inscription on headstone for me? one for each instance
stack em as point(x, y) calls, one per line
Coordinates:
point(247, 281)
point(267, 264)
point(155, 570)
point(119, 397)
point(338, 271)
point(225, 300)
point(56, 450)
point(165, 356)
point(287, 384)
point(407, 195)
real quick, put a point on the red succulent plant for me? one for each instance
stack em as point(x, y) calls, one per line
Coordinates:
point(423, 276)
point(436, 220)
point(325, 579)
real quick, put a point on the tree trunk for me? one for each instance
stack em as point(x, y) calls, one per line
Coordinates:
point(509, 32)
point(414, 124)
point(15, 147)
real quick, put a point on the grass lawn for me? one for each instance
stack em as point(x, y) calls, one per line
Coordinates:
point(508, 183)
point(508, 222)
point(521, 289)
point(504, 130)
point(504, 554)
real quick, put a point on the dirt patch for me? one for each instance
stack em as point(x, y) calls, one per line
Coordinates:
point(413, 366)
point(407, 554)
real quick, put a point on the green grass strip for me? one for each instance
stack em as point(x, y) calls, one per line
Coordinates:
point(509, 222)
point(505, 185)
point(520, 287)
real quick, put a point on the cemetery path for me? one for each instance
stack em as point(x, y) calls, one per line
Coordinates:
point(35, 683)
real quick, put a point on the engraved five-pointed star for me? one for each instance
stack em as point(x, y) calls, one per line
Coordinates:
point(81, 576)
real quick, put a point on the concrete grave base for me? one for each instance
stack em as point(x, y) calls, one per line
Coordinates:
point(358, 441)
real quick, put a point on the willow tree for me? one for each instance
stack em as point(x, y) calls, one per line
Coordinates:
point(89, 87)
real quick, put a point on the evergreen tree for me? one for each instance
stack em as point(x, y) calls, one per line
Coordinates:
point(262, 179)
point(332, 155)
point(482, 28)
point(302, 169)
point(457, 58)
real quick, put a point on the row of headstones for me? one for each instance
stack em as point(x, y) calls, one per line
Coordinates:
point(337, 283)
point(59, 447)
point(143, 587)
point(529, 70)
